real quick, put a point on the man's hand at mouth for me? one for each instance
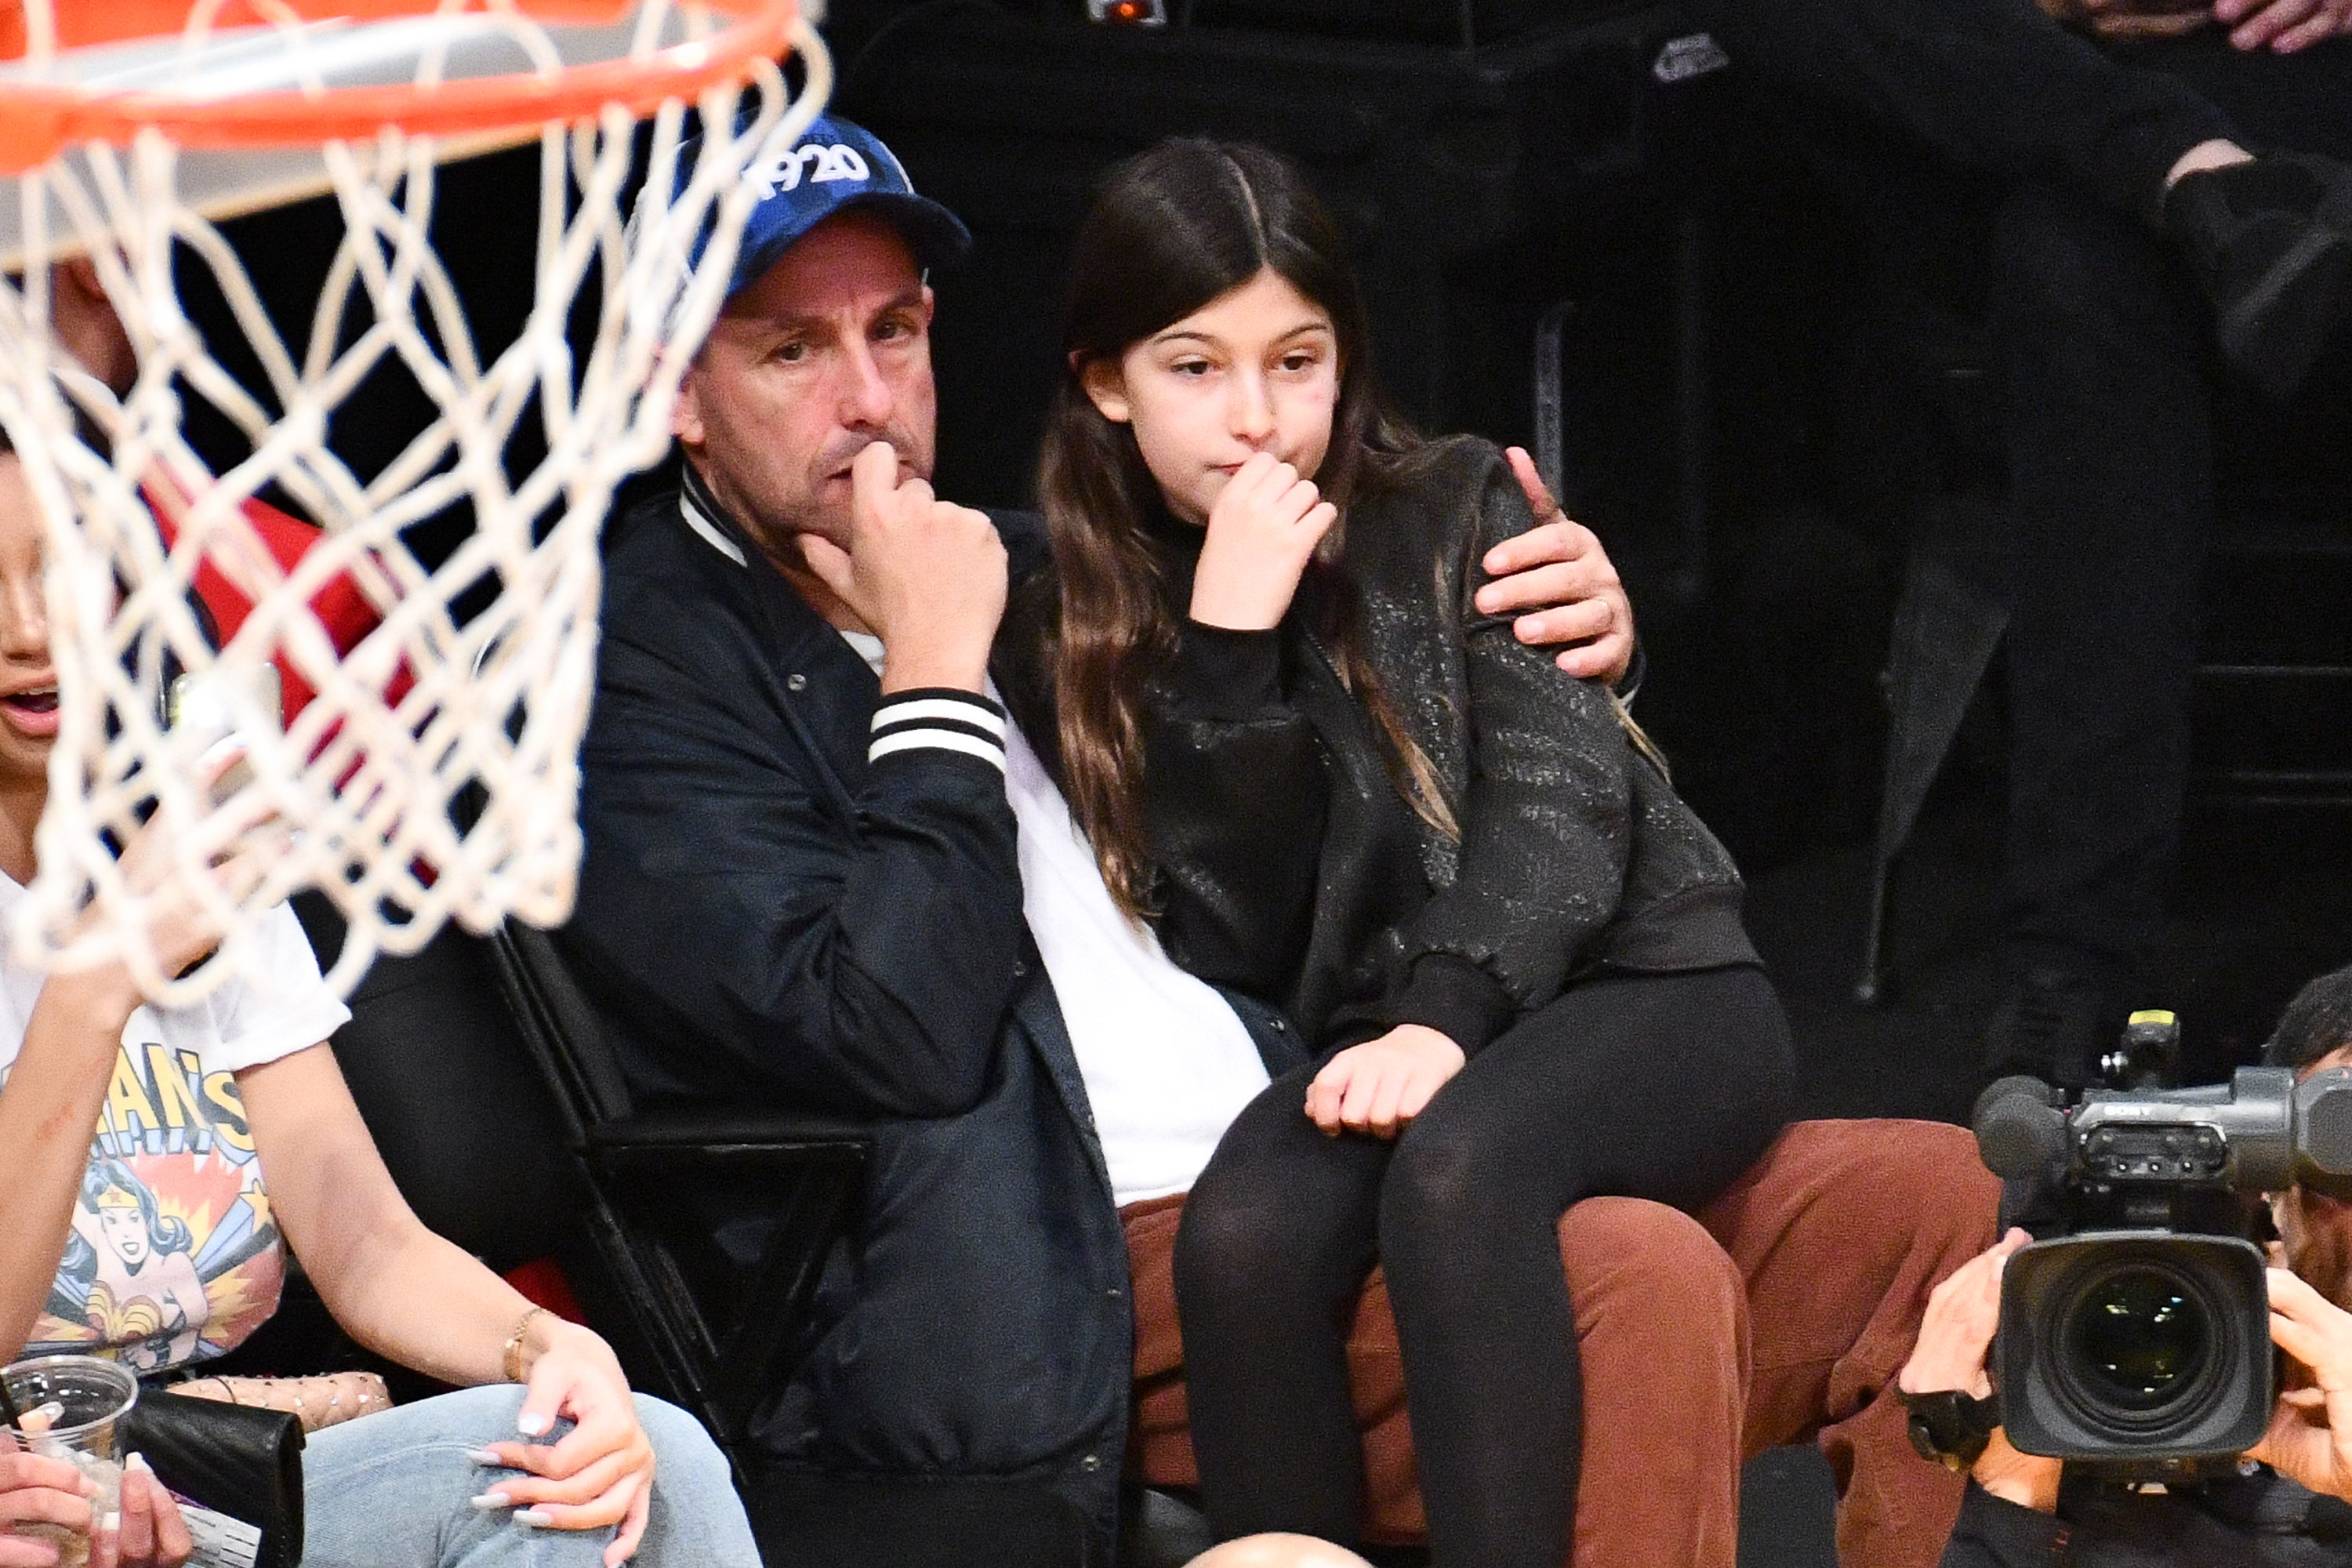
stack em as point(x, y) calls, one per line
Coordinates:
point(927, 576)
point(854, 446)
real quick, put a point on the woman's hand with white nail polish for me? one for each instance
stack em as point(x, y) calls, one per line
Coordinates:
point(600, 1473)
point(35, 1490)
point(149, 1532)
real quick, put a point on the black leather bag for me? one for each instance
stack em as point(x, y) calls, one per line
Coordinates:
point(231, 1458)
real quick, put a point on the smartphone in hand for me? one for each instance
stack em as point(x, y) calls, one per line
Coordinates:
point(201, 701)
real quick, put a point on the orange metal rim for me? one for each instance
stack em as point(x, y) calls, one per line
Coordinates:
point(38, 120)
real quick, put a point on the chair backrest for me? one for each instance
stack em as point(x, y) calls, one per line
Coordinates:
point(558, 1022)
point(561, 1027)
point(447, 1088)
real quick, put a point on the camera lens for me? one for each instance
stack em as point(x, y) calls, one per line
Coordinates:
point(2137, 1339)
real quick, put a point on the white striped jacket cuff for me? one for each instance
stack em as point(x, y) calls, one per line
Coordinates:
point(943, 720)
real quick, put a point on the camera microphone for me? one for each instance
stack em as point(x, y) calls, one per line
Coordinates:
point(2322, 1116)
point(2020, 1132)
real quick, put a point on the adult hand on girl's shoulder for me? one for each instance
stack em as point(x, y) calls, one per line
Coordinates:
point(1381, 1085)
point(601, 1472)
point(1263, 529)
point(1560, 586)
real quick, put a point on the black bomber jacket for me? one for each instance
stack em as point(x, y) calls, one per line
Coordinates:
point(770, 915)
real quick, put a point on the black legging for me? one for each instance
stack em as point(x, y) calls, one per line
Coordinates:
point(1660, 1087)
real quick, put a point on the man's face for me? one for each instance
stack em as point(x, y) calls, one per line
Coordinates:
point(2318, 1231)
point(828, 352)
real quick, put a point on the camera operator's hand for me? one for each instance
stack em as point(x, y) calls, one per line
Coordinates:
point(1956, 1331)
point(1954, 1337)
point(2310, 1439)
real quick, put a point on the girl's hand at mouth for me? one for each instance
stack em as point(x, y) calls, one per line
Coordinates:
point(1263, 529)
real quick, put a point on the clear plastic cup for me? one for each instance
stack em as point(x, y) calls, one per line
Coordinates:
point(93, 1396)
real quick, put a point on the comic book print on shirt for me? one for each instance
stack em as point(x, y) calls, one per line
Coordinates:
point(173, 1257)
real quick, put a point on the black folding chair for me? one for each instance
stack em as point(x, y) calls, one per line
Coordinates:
point(720, 1327)
point(723, 1326)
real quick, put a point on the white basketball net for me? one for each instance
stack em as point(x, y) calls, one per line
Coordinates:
point(369, 777)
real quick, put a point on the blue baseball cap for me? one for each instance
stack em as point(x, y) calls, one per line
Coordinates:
point(836, 166)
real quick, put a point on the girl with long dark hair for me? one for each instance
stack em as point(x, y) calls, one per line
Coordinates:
point(1302, 755)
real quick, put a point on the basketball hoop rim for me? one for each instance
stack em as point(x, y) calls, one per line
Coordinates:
point(38, 120)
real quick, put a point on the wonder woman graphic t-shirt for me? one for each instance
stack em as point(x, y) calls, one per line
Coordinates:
point(173, 1255)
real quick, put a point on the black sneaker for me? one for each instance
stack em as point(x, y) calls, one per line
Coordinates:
point(2270, 243)
point(2053, 1025)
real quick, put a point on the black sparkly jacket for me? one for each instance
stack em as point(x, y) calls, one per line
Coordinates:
point(1294, 871)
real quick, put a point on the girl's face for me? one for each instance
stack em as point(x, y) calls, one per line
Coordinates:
point(1255, 370)
point(28, 681)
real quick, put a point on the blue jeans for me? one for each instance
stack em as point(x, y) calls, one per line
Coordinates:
point(391, 1491)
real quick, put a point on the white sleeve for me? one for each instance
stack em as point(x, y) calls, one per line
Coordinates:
point(252, 1022)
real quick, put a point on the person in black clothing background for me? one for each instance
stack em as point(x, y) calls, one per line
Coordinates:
point(2285, 1507)
point(1330, 782)
point(2133, 234)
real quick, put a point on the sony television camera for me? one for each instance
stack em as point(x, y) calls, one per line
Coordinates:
point(2134, 1330)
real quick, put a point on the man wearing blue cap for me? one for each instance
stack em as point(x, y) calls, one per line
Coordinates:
point(821, 860)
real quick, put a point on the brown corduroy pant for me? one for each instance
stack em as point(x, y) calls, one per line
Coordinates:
point(1780, 1311)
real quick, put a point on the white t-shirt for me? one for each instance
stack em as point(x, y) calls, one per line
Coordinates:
point(1167, 1064)
point(174, 1256)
